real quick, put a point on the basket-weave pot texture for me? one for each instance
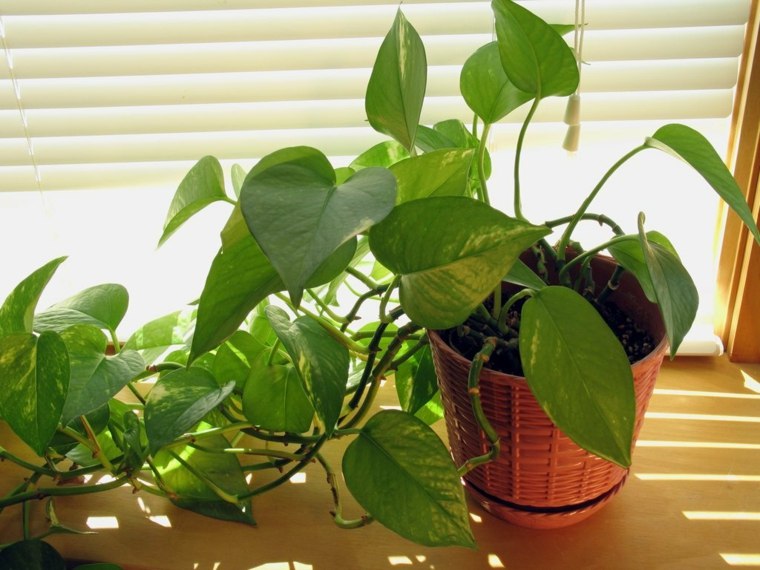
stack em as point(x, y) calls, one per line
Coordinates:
point(541, 478)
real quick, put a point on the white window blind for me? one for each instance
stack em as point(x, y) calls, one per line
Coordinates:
point(105, 104)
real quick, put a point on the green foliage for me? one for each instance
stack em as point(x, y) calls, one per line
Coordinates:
point(199, 402)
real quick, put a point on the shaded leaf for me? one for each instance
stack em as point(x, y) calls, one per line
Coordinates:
point(160, 335)
point(31, 555)
point(628, 252)
point(178, 401)
point(521, 274)
point(321, 362)
point(103, 306)
point(402, 474)
point(579, 372)
point(439, 173)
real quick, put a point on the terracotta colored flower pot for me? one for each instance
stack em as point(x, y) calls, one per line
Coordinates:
point(541, 479)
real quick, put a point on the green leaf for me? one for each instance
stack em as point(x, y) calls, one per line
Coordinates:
point(695, 149)
point(160, 335)
point(17, 312)
point(396, 88)
point(221, 470)
point(103, 306)
point(417, 389)
point(521, 274)
point(628, 252)
point(274, 398)
point(178, 401)
point(31, 555)
point(300, 218)
point(486, 88)
point(202, 185)
point(673, 287)
point(35, 375)
point(579, 372)
point(321, 362)
point(450, 252)
point(439, 173)
point(95, 377)
point(233, 359)
point(534, 56)
point(237, 175)
point(384, 154)
point(402, 474)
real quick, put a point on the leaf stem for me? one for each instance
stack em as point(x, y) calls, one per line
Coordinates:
point(518, 154)
point(483, 193)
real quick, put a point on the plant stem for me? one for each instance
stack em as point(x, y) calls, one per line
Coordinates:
point(601, 218)
point(363, 278)
point(351, 316)
point(483, 194)
point(384, 316)
point(324, 307)
point(518, 153)
point(44, 492)
point(508, 305)
point(587, 255)
point(473, 390)
point(587, 202)
point(337, 513)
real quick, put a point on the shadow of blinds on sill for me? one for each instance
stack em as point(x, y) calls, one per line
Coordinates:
point(105, 106)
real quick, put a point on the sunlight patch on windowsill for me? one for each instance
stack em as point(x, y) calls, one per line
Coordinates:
point(750, 383)
point(102, 523)
point(741, 559)
point(707, 393)
point(701, 417)
point(697, 444)
point(727, 477)
point(722, 515)
point(495, 562)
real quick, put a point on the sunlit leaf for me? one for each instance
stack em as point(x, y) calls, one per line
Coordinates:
point(450, 252)
point(103, 306)
point(202, 185)
point(402, 474)
point(35, 375)
point(579, 372)
point(628, 252)
point(439, 173)
point(384, 154)
point(160, 335)
point(396, 88)
point(17, 312)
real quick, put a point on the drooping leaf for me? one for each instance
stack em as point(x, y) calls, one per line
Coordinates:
point(450, 252)
point(274, 398)
point(396, 88)
point(180, 400)
point(417, 387)
point(321, 362)
point(692, 147)
point(534, 56)
point(194, 493)
point(579, 372)
point(300, 218)
point(439, 173)
point(674, 289)
point(103, 306)
point(31, 555)
point(384, 154)
point(628, 252)
point(95, 377)
point(35, 374)
point(17, 312)
point(486, 88)
point(160, 335)
point(202, 185)
point(402, 474)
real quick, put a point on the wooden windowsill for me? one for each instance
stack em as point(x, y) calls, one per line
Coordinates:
point(692, 501)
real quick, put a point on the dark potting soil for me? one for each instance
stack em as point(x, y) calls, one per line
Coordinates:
point(636, 342)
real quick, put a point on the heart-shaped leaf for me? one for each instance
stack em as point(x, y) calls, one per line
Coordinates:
point(439, 173)
point(534, 56)
point(692, 147)
point(300, 218)
point(103, 306)
point(202, 185)
point(321, 362)
point(486, 88)
point(190, 474)
point(384, 154)
point(579, 372)
point(402, 474)
point(676, 294)
point(35, 374)
point(95, 377)
point(180, 400)
point(396, 88)
point(450, 252)
point(17, 312)
point(274, 398)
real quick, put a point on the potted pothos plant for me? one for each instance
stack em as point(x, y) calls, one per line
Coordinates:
point(330, 280)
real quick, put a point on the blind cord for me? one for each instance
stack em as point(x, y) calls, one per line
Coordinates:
point(573, 109)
